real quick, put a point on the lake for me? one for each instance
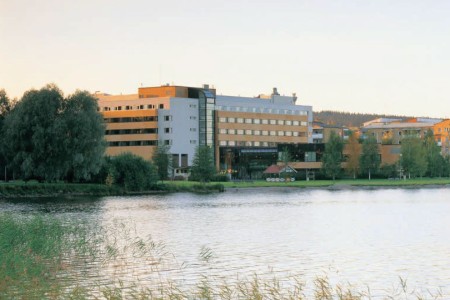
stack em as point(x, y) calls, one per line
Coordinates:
point(368, 237)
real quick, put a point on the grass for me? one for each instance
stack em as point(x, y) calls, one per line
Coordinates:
point(42, 257)
point(328, 183)
point(34, 189)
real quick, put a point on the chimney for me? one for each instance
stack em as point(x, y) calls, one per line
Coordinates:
point(275, 92)
point(206, 86)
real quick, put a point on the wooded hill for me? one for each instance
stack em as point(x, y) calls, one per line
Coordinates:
point(349, 119)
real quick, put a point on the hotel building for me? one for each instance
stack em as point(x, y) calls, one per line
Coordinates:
point(186, 117)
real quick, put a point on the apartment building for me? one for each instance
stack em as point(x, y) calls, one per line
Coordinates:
point(391, 131)
point(169, 115)
point(186, 117)
point(441, 132)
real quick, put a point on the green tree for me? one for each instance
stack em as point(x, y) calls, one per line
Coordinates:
point(5, 108)
point(83, 130)
point(285, 157)
point(48, 137)
point(413, 156)
point(435, 161)
point(203, 164)
point(370, 156)
point(32, 144)
point(354, 152)
point(161, 160)
point(133, 172)
point(332, 156)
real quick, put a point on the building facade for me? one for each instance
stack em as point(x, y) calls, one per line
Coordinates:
point(186, 117)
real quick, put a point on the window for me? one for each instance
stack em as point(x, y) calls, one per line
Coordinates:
point(240, 131)
point(167, 142)
point(222, 131)
point(256, 132)
point(288, 133)
point(280, 122)
point(231, 131)
point(240, 120)
point(175, 160)
point(256, 144)
point(273, 132)
point(193, 118)
point(280, 133)
point(223, 143)
point(193, 129)
point(222, 120)
point(273, 122)
point(248, 121)
point(192, 105)
point(161, 106)
point(256, 121)
point(264, 144)
point(248, 132)
point(231, 143)
point(193, 142)
point(167, 130)
point(231, 120)
point(248, 144)
point(295, 123)
point(184, 160)
point(264, 121)
point(304, 123)
point(167, 118)
point(288, 122)
point(265, 132)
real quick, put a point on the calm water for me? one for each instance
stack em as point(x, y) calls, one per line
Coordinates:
point(366, 237)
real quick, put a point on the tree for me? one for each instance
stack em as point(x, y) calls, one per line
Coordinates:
point(83, 130)
point(370, 157)
point(353, 151)
point(161, 160)
point(48, 137)
point(413, 156)
point(203, 164)
point(285, 158)
point(435, 161)
point(5, 108)
point(332, 156)
point(133, 172)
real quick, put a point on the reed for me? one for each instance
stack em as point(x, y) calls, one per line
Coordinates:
point(42, 257)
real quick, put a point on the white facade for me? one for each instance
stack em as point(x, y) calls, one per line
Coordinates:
point(178, 127)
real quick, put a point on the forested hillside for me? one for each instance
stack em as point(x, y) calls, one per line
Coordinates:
point(348, 119)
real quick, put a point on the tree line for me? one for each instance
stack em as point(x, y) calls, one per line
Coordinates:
point(418, 157)
point(46, 136)
point(349, 119)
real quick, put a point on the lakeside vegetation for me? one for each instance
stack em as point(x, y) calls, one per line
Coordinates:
point(45, 257)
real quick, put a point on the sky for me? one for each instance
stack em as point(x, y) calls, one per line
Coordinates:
point(384, 56)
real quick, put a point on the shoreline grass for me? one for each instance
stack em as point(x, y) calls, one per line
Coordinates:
point(35, 189)
point(40, 254)
point(343, 183)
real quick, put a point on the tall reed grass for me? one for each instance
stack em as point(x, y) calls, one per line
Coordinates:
point(43, 257)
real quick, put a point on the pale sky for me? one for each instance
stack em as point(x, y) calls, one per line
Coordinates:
point(382, 56)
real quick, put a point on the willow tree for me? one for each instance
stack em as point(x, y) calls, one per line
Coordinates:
point(48, 137)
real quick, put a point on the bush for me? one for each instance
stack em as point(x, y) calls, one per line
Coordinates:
point(133, 173)
point(220, 178)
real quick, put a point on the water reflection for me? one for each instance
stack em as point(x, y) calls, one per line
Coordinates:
point(362, 236)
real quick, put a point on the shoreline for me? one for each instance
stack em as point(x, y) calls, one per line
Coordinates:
point(54, 190)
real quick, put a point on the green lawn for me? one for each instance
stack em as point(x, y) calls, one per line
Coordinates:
point(327, 183)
